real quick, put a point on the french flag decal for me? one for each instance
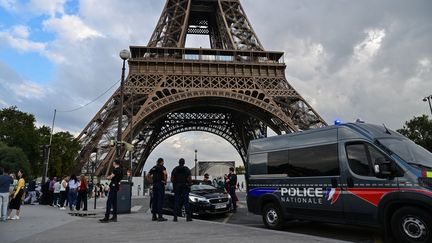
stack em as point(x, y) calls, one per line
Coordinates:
point(332, 194)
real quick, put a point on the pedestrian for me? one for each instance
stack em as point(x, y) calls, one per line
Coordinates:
point(207, 180)
point(73, 189)
point(82, 193)
point(101, 190)
point(182, 180)
point(63, 193)
point(158, 177)
point(31, 188)
point(5, 182)
point(56, 198)
point(15, 202)
point(232, 182)
point(106, 189)
point(51, 190)
point(115, 177)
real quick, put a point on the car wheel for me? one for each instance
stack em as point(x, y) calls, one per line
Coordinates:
point(272, 216)
point(411, 224)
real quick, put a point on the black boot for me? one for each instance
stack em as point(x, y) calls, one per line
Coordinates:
point(161, 219)
point(154, 218)
point(175, 219)
point(188, 218)
point(104, 220)
point(113, 219)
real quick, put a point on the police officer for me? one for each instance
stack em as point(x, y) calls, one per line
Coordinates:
point(115, 177)
point(181, 179)
point(158, 175)
point(232, 183)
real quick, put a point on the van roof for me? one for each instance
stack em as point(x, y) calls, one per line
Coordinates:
point(324, 135)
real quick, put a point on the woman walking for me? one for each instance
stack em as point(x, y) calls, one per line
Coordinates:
point(63, 193)
point(73, 189)
point(82, 193)
point(15, 203)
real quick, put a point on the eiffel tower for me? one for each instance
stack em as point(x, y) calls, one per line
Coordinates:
point(235, 89)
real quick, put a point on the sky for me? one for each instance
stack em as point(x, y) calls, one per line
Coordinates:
point(349, 59)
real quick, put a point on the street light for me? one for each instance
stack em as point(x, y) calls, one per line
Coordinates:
point(428, 98)
point(124, 55)
point(196, 151)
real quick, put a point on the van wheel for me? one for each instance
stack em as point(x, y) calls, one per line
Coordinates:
point(272, 216)
point(411, 224)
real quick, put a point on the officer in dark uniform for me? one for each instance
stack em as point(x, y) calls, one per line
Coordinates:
point(232, 183)
point(181, 179)
point(158, 175)
point(115, 177)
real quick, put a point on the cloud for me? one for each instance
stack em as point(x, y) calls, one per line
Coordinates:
point(70, 28)
point(28, 90)
point(17, 38)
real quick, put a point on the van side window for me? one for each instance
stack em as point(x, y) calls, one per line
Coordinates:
point(313, 161)
point(257, 164)
point(358, 159)
point(278, 162)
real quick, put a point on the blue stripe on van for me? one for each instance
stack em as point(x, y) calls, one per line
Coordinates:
point(256, 192)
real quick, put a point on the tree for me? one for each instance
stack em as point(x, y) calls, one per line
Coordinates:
point(14, 159)
point(64, 149)
point(240, 170)
point(18, 130)
point(419, 130)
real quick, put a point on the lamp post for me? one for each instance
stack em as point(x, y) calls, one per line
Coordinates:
point(124, 55)
point(93, 172)
point(196, 151)
point(428, 99)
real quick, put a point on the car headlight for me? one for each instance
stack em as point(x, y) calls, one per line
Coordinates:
point(228, 196)
point(197, 199)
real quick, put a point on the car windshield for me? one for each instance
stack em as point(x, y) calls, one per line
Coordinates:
point(409, 151)
point(202, 187)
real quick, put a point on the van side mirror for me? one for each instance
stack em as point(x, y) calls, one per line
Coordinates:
point(383, 168)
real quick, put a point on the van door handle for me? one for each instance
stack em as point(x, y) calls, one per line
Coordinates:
point(350, 182)
point(334, 183)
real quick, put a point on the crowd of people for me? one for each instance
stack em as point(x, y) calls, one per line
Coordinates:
point(11, 193)
point(73, 192)
point(69, 191)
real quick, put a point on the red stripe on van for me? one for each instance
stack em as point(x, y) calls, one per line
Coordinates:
point(371, 195)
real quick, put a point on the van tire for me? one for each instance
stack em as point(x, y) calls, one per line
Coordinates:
point(272, 216)
point(410, 224)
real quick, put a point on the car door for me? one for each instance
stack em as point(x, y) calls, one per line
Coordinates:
point(169, 197)
point(362, 190)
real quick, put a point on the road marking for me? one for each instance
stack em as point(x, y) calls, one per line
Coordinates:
point(227, 218)
point(136, 208)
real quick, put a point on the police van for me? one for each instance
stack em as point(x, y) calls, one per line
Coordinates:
point(354, 173)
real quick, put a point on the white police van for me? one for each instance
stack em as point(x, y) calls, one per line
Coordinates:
point(353, 173)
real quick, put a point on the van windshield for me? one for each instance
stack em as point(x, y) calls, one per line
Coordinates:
point(409, 151)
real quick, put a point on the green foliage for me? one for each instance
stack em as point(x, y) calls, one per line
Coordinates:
point(20, 143)
point(240, 170)
point(419, 130)
point(14, 159)
point(18, 130)
point(64, 149)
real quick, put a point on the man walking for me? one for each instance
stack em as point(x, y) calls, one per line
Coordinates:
point(115, 177)
point(181, 179)
point(232, 183)
point(158, 175)
point(31, 197)
point(5, 182)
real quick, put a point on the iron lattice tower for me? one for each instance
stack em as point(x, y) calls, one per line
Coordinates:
point(235, 89)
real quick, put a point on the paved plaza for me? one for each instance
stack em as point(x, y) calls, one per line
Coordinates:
point(46, 224)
